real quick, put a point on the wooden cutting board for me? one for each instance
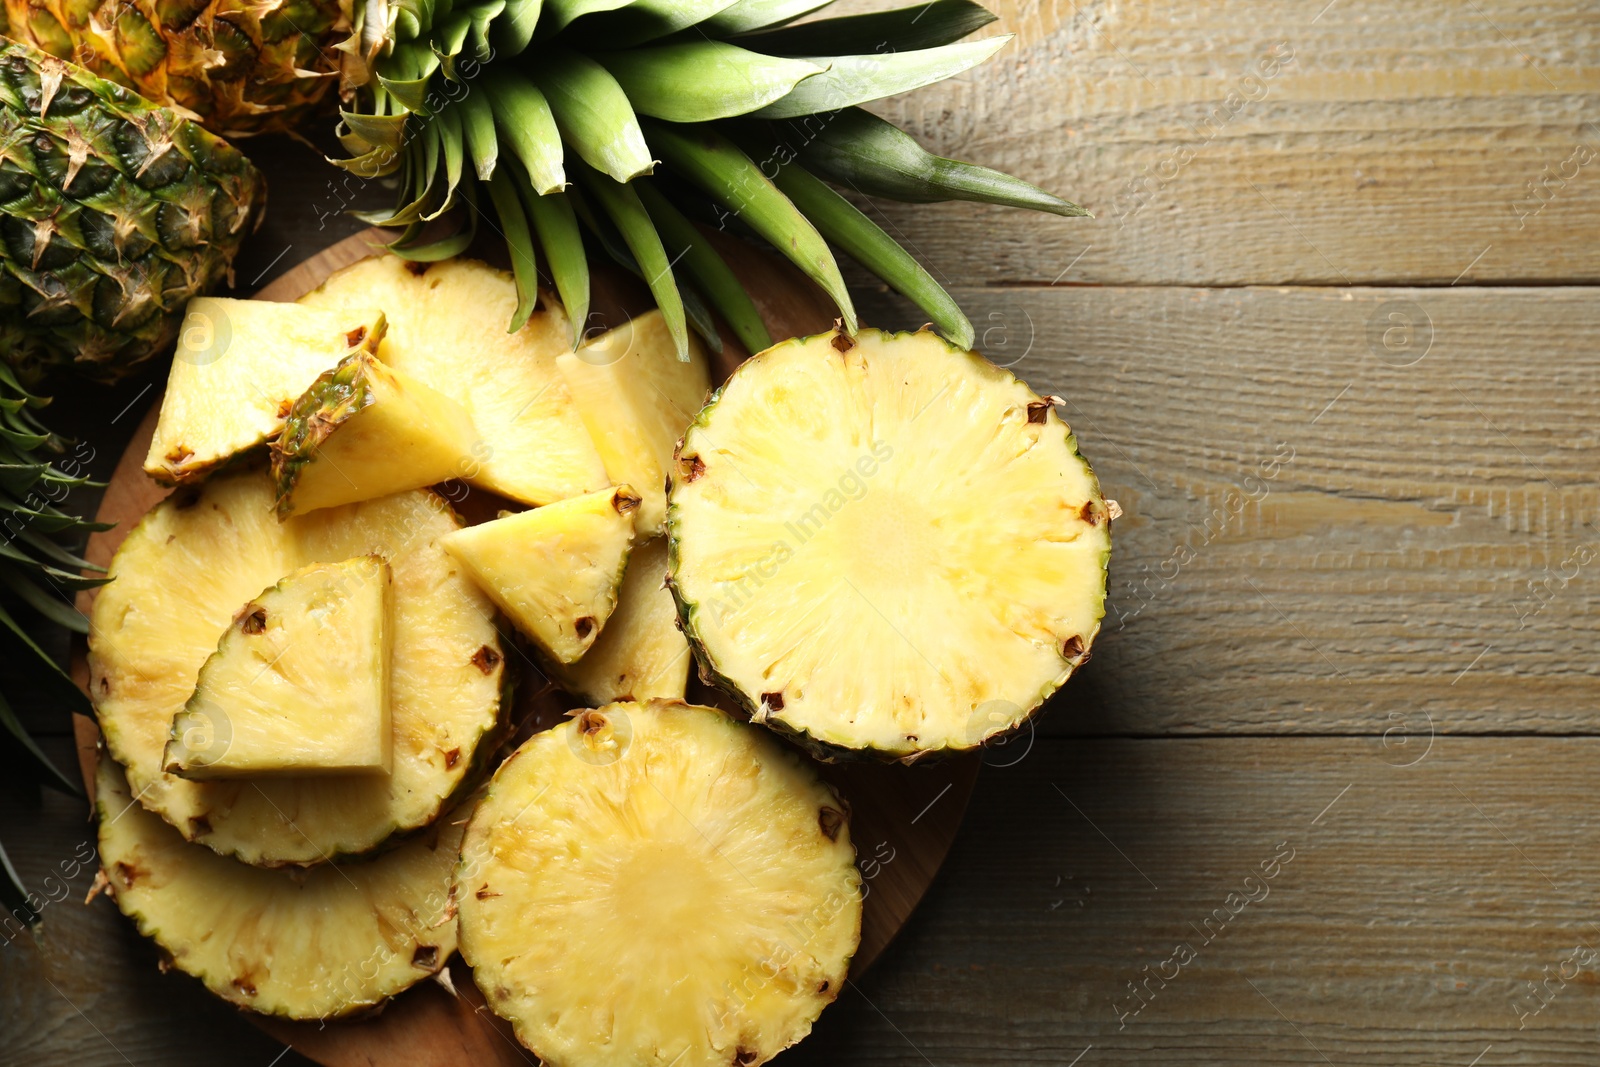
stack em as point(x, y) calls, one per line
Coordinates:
point(898, 850)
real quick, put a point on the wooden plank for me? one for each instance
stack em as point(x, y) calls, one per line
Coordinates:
point(1418, 903)
point(1401, 143)
point(1327, 524)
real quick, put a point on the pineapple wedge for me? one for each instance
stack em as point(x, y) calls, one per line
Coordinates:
point(362, 431)
point(447, 329)
point(637, 398)
point(298, 944)
point(640, 655)
point(238, 367)
point(885, 544)
point(178, 579)
point(299, 683)
point(658, 884)
point(554, 570)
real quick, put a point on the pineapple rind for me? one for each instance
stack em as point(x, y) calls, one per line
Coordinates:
point(299, 683)
point(398, 434)
point(1000, 702)
point(658, 883)
point(156, 623)
point(447, 329)
point(238, 367)
point(298, 944)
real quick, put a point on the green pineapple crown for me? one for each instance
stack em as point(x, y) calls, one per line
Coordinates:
point(625, 118)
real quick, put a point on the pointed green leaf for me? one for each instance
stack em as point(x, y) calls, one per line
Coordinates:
point(700, 320)
point(411, 92)
point(449, 37)
point(698, 81)
point(16, 628)
point(559, 13)
point(747, 15)
point(483, 16)
point(528, 127)
point(448, 125)
point(857, 79)
point(49, 773)
point(864, 241)
point(514, 228)
point(13, 894)
point(700, 261)
point(55, 608)
point(904, 29)
point(593, 114)
point(621, 204)
point(379, 131)
point(716, 165)
point(514, 28)
point(650, 20)
point(562, 241)
point(444, 247)
point(478, 128)
point(859, 149)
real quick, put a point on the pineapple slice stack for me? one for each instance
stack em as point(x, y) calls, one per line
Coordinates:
point(878, 544)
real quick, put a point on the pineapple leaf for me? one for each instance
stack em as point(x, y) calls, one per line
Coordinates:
point(563, 12)
point(593, 114)
point(649, 20)
point(445, 247)
point(718, 167)
point(14, 896)
point(859, 149)
point(378, 131)
point(54, 608)
point(621, 204)
point(842, 223)
point(514, 228)
point(710, 274)
point(524, 119)
point(514, 31)
point(47, 772)
point(10, 623)
point(697, 81)
point(747, 15)
point(857, 79)
point(904, 29)
point(478, 33)
point(478, 130)
point(448, 126)
point(557, 226)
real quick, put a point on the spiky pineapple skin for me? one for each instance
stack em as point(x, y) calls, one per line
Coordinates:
point(819, 748)
point(113, 213)
point(236, 67)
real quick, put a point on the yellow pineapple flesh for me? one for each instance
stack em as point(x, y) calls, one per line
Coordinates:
point(447, 330)
point(658, 884)
point(299, 683)
point(238, 367)
point(554, 570)
point(637, 398)
point(640, 655)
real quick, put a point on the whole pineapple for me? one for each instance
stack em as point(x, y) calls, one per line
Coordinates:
point(113, 213)
point(238, 67)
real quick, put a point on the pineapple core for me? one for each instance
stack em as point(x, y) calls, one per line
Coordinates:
point(299, 684)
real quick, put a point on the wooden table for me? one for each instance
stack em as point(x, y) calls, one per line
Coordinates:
point(1323, 794)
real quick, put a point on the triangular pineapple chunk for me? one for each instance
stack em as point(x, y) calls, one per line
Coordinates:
point(299, 683)
point(554, 570)
point(640, 655)
point(637, 398)
point(447, 327)
point(364, 430)
point(238, 367)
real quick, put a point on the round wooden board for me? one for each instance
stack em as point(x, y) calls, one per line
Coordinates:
point(903, 819)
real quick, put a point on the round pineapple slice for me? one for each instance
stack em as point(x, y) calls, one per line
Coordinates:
point(177, 581)
point(886, 544)
point(658, 884)
point(301, 944)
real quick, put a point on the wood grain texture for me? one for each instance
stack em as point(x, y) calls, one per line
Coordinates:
point(1419, 902)
point(1396, 146)
point(1329, 516)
